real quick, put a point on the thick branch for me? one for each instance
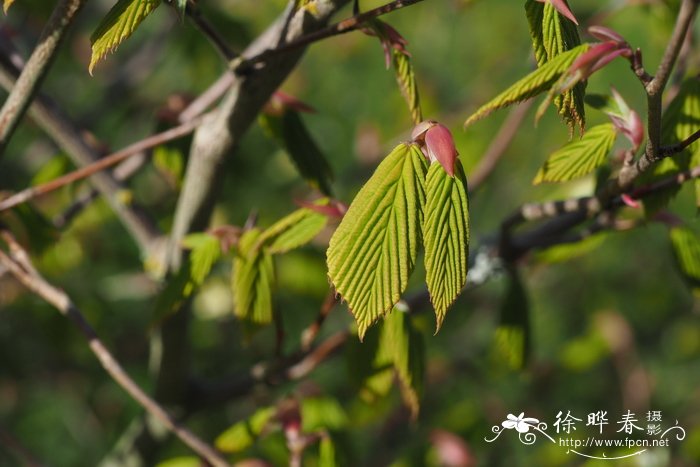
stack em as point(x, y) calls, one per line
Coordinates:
point(18, 264)
point(37, 66)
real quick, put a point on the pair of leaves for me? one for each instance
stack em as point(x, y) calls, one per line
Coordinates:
point(580, 156)
point(535, 83)
point(288, 129)
point(253, 264)
point(552, 34)
point(686, 246)
point(374, 249)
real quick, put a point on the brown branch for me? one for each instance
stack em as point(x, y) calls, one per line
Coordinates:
point(499, 145)
point(18, 263)
point(102, 164)
point(245, 65)
point(37, 66)
point(309, 334)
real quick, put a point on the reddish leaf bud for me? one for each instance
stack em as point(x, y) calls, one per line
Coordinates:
point(441, 147)
point(606, 34)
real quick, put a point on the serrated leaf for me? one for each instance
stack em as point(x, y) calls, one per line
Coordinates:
point(119, 23)
point(289, 131)
point(206, 250)
point(403, 346)
point(680, 119)
point(579, 157)
point(686, 246)
point(253, 276)
point(294, 230)
point(373, 251)
point(406, 78)
point(512, 336)
point(243, 434)
point(551, 36)
point(537, 82)
point(445, 236)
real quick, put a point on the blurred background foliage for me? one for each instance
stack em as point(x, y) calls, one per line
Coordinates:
point(613, 325)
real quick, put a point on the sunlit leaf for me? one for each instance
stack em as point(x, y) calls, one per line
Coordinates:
point(288, 129)
point(184, 461)
point(401, 344)
point(686, 246)
point(512, 336)
point(294, 230)
point(537, 82)
point(680, 119)
point(170, 161)
point(253, 276)
point(374, 249)
point(244, 433)
point(322, 413)
point(406, 78)
point(121, 21)
point(6, 5)
point(580, 156)
point(446, 236)
point(327, 455)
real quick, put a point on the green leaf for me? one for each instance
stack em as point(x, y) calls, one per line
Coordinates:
point(371, 372)
point(243, 434)
point(401, 344)
point(406, 78)
point(294, 230)
point(54, 168)
point(170, 161)
point(327, 455)
point(183, 461)
point(537, 82)
point(289, 131)
point(121, 21)
point(680, 119)
point(322, 413)
point(579, 157)
point(446, 236)
point(374, 249)
point(253, 276)
point(553, 35)
point(512, 337)
point(686, 246)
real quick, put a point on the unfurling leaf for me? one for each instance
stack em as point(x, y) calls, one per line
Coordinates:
point(243, 434)
point(551, 36)
point(680, 119)
point(253, 276)
point(288, 129)
point(121, 21)
point(445, 236)
point(579, 157)
point(537, 82)
point(686, 246)
point(374, 249)
point(294, 230)
point(512, 337)
point(406, 78)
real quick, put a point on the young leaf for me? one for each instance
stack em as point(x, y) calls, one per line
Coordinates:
point(289, 131)
point(243, 434)
point(686, 246)
point(294, 230)
point(407, 83)
point(318, 413)
point(680, 119)
point(531, 85)
point(253, 276)
point(374, 249)
point(445, 236)
point(578, 157)
point(403, 346)
point(327, 456)
point(121, 21)
point(512, 337)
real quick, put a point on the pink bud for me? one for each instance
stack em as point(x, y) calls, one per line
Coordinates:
point(419, 130)
point(627, 121)
point(629, 201)
point(562, 7)
point(441, 147)
point(596, 58)
point(333, 208)
point(606, 34)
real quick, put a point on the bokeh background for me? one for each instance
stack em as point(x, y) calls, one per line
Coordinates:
point(613, 325)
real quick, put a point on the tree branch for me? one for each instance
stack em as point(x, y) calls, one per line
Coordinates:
point(19, 265)
point(37, 66)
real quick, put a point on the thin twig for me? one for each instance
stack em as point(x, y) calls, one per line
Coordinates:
point(309, 334)
point(194, 13)
point(498, 146)
point(37, 66)
point(102, 164)
point(19, 265)
point(242, 66)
